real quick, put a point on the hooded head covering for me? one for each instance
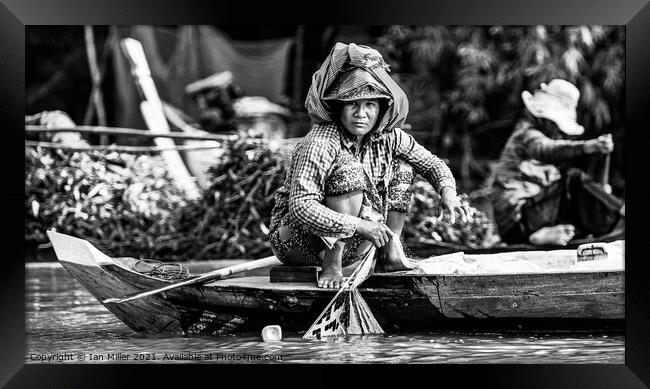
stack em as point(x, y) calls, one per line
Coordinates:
point(355, 84)
point(352, 72)
point(556, 101)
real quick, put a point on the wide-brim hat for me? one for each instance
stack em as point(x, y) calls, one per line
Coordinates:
point(556, 101)
point(356, 83)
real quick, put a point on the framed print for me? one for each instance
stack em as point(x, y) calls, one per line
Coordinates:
point(237, 135)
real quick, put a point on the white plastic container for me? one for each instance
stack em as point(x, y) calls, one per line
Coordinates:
point(272, 333)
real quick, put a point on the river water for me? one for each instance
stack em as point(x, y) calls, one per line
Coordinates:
point(65, 324)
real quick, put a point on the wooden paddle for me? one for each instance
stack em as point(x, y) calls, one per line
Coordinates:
point(211, 276)
point(605, 177)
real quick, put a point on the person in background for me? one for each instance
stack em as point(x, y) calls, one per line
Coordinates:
point(349, 182)
point(538, 196)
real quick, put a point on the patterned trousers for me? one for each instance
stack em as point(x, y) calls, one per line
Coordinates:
point(301, 247)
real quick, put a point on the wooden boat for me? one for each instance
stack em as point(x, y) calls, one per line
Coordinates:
point(426, 248)
point(401, 301)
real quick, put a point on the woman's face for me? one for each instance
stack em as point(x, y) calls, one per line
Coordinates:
point(359, 116)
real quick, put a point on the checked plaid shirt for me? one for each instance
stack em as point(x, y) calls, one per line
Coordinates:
point(302, 193)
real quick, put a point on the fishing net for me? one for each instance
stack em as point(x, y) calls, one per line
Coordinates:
point(348, 313)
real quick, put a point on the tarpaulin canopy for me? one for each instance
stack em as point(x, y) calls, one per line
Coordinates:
point(178, 57)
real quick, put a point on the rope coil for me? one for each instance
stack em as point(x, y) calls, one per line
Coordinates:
point(162, 270)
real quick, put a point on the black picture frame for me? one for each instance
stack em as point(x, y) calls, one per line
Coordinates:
point(634, 14)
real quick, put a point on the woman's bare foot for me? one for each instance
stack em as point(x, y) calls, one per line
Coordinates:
point(391, 257)
point(557, 235)
point(332, 274)
point(331, 279)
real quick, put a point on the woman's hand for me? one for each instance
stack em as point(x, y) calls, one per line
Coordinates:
point(449, 202)
point(378, 233)
point(602, 145)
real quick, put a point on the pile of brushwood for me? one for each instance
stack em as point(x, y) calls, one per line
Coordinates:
point(424, 226)
point(232, 218)
point(120, 202)
point(129, 206)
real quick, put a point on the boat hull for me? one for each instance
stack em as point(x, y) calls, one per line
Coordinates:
point(399, 301)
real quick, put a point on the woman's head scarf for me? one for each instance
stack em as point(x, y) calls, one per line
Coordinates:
point(338, 78)
point(354, 84)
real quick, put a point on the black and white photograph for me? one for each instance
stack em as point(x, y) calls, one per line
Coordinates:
point(325, 194)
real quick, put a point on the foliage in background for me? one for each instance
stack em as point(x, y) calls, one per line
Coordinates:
point(122, 203)
point(464, 84)
point(423, 225)
point(232, 218)
point(129, 206)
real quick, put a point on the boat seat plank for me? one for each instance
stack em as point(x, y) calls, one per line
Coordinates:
point(285, 273)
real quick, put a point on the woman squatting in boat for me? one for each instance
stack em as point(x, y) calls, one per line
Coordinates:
point(349, 183)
